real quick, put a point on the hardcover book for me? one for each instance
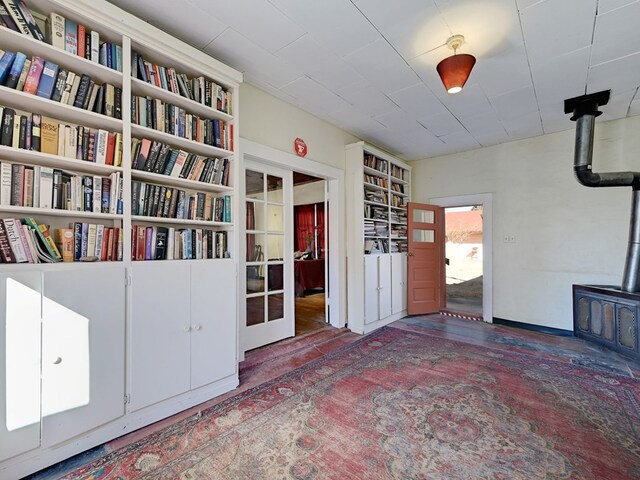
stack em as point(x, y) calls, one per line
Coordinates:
point(71, 36)
point(34, 75)
point(15, 71)
point(55, 31)
point(47, 80)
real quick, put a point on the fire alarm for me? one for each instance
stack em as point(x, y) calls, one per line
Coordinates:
point(300, 147)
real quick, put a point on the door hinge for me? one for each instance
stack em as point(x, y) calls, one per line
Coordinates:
point(127, 398)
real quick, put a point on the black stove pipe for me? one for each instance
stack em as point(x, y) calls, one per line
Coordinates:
point(585, 111)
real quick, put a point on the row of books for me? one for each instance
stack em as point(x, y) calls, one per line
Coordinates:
point(376, 163)
point(15, 15)
point(399, 172)
point(151, 200)
point(397, 246)
point(376, 196)
point(375, 212)
point(46, 79)
point(46, 187)
point(89, 242)
point(397, 187)
point(165, 117)
point(26, 241)
point(169, 243)
point(200, 89)
point(76, 39)
point(398, 202)
point(157, 157)
point(30, 131)
point(376, 246)
point(375, 180)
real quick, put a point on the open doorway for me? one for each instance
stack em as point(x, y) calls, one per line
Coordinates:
point(309, 219)
point(464, 261)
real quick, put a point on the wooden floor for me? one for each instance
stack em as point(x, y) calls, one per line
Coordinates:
point(310, 314)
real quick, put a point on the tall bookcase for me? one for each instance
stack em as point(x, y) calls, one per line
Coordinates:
point(379, 189)
point(135, 339)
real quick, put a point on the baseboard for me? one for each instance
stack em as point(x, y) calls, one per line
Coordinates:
point(534, 328)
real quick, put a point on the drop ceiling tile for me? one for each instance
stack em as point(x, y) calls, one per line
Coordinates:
point(336, 75)
point(242, 54)
point(564, 76)
point(605, 6)
point(461, 139)
point(470, 101)
point(515, 103)
point(418, 100)
point(619, 75)
point(522, 4)
point(502, 72)
point(441, 124)
point(367, 99)
point(616, 34)
point(313, 96)
point(257, 20)
point(553, 117)
point(486, 128)
point(382, 66)
point(524, 126)
point(339, 25)
point(556, 28)
point(399, 120)
point(305, 55)
point(179, 17)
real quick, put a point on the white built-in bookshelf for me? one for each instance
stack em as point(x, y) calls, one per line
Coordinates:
point(379, 189)
point(149, 329)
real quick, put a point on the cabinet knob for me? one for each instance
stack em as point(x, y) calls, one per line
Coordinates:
point(198, 327)
point(57, 361)
point(187, 328)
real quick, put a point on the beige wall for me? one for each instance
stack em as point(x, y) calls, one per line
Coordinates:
point(565, 233)
point(270, 121)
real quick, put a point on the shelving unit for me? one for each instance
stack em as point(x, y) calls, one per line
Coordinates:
point(379, 189)
point(145, 323)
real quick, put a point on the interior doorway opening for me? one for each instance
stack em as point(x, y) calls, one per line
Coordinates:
point(310, 218)
point(464, 261)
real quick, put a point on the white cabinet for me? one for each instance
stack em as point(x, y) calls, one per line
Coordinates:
point(20, 322)
point(398, 282)
point(378, 189)
point(83, 342)
point(70, 378)
point(377, 296)
point(183, 328)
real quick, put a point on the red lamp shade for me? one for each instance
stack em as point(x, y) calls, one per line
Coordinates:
point(454, 71)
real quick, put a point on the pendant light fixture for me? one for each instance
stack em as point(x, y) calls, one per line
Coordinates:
point(454, 70)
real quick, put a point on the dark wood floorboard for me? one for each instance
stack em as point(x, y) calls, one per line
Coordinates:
point(310, 314)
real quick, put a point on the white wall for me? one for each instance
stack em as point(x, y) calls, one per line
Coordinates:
point(565, 233)
point(270, 121)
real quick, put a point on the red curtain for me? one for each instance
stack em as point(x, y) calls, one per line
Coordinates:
point(309, 225)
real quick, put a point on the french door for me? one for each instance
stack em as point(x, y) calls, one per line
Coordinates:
point(425, 265)
point(268, 260)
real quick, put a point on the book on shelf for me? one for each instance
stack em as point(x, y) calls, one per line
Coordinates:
point(55, 30)
point(169, 243)
point(33, 132)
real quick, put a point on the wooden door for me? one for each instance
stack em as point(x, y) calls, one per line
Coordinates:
point(425, 269)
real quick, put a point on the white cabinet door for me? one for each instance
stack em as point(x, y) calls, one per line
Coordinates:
point(213, 321)
point(83, 350)
point(398, 282)
point(371, 288)
point(20, 300)
point(384, 285)
point(160, 331)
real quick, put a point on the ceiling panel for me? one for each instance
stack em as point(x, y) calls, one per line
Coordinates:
point(552, 28)
point(336, 23)
point(616, 34)
point(369, 66)
point(191, 24)
point(257, 20)
point(382, 66)
point(238, 51)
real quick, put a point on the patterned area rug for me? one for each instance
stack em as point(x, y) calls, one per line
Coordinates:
point(404, 405)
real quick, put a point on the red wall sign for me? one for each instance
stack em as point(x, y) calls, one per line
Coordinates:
point(300, 147)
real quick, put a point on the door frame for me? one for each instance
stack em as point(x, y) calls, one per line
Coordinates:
point(336, 251)
point(486, 200)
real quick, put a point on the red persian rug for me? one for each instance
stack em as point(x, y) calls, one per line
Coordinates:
point(404, 405)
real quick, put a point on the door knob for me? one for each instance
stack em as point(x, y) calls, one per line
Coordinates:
point(410, 254)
